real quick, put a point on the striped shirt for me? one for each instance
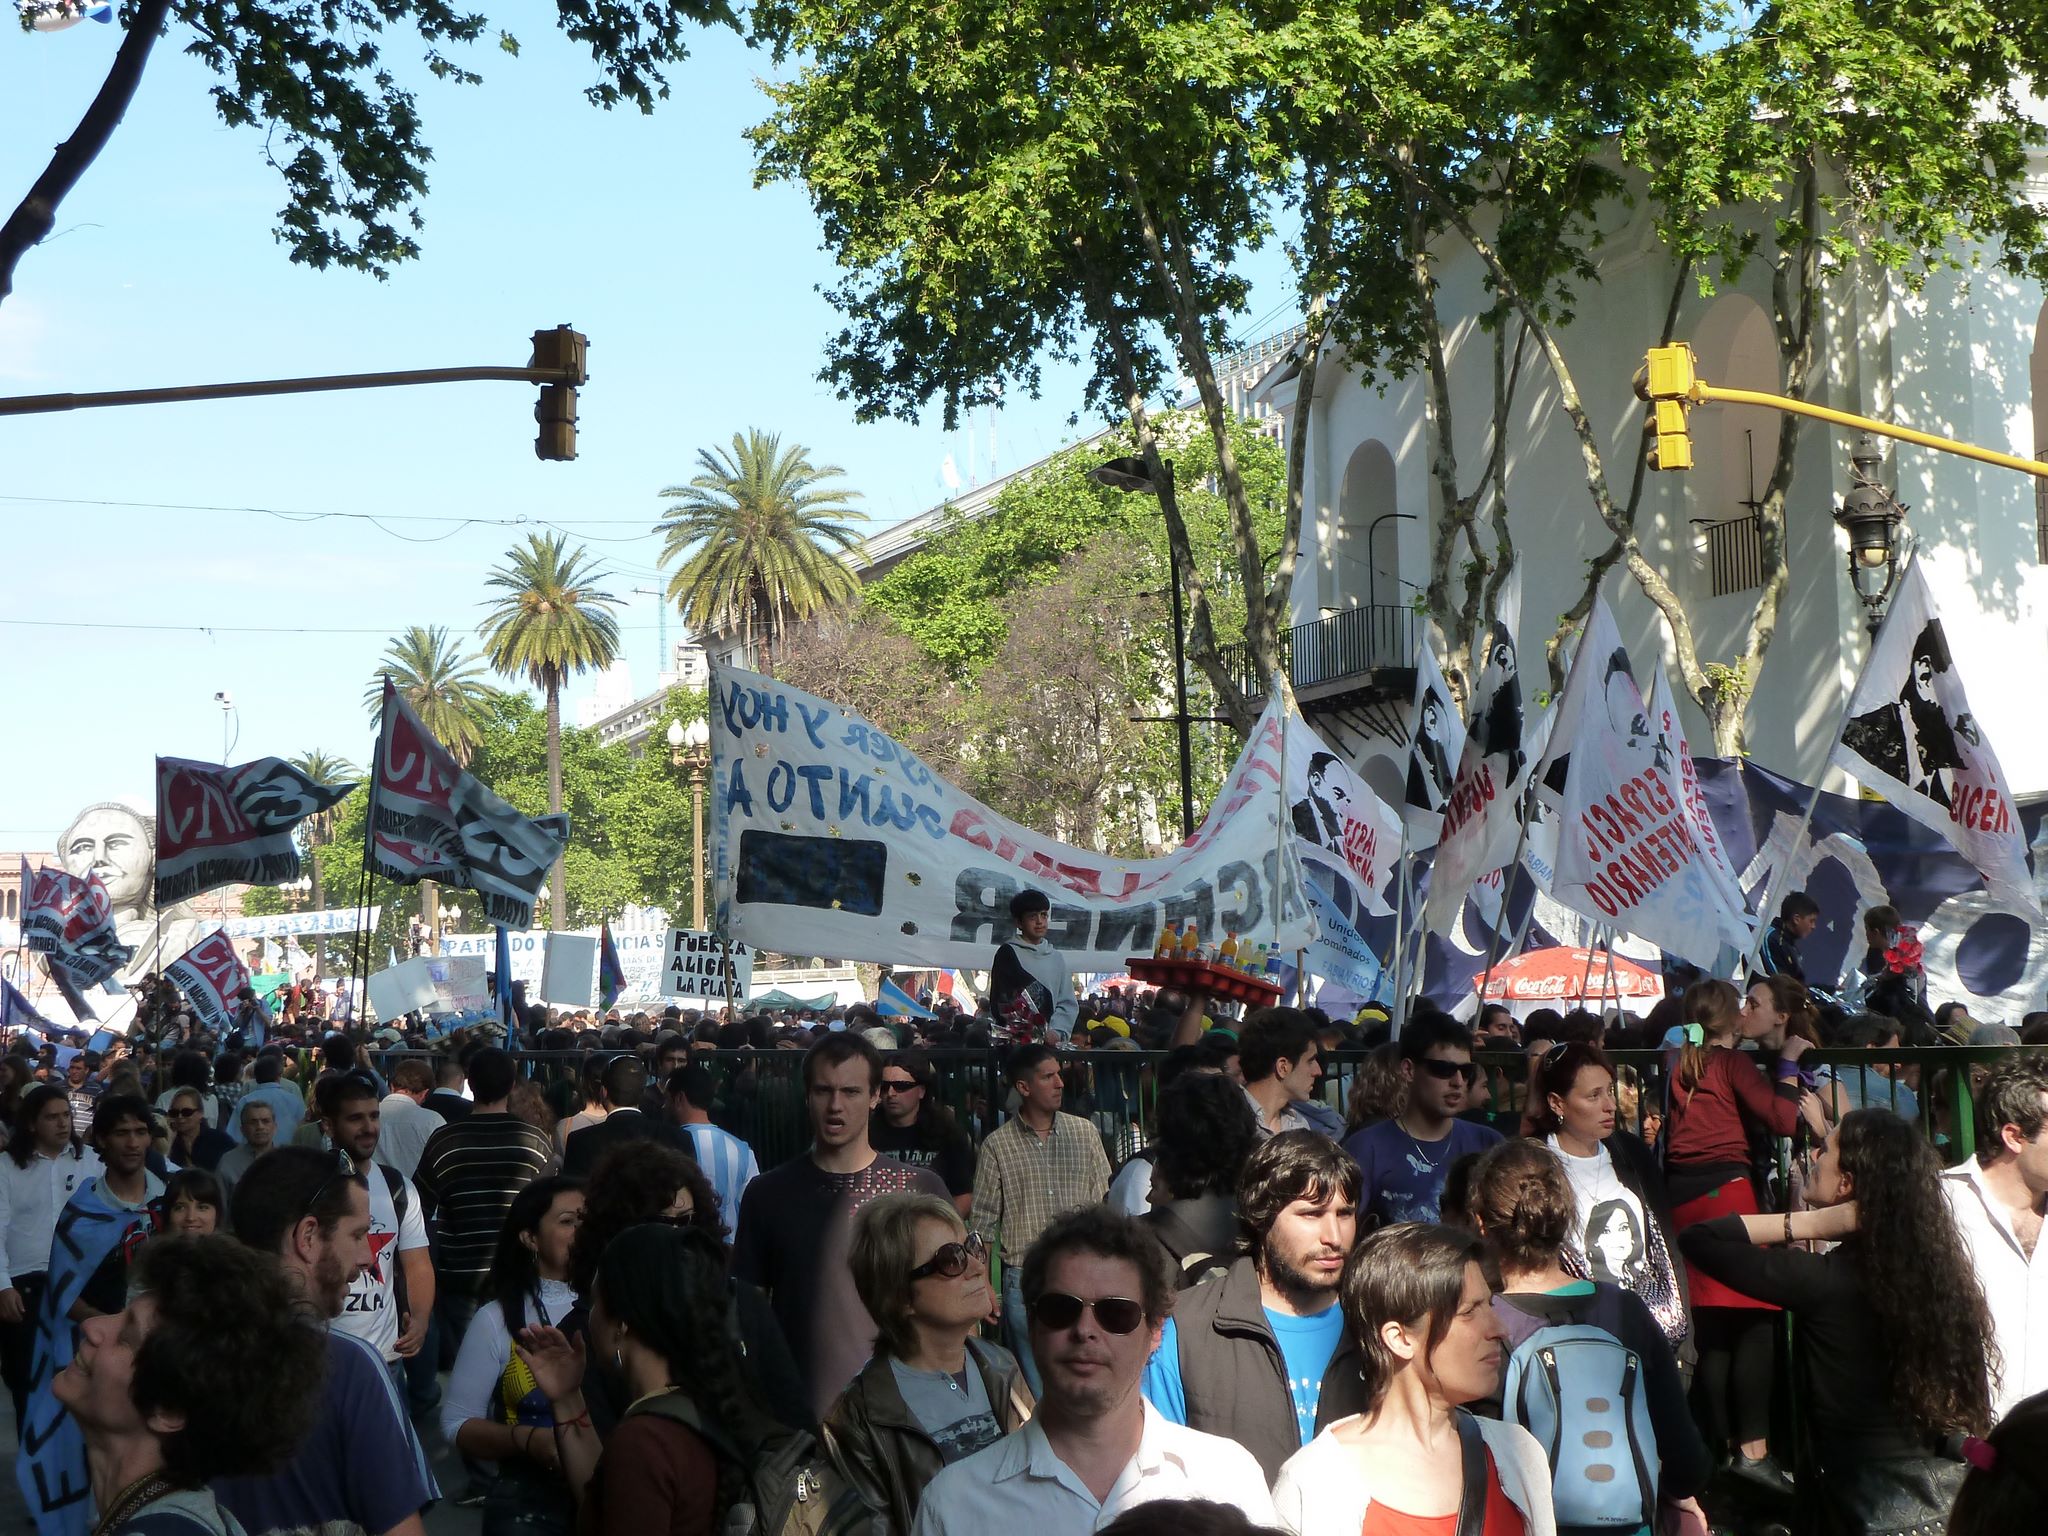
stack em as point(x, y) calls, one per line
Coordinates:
point(727, 1162)
point(1025, 1180)
point(471, 1171)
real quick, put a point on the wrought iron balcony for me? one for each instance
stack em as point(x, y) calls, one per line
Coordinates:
point(1365, 652)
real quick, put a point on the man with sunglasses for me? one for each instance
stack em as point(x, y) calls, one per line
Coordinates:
point(1097, 1288)
point(914, 1128)
point(1406, 1159)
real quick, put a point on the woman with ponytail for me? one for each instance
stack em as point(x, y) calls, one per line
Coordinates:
point(1527, 1215)
point(1719, 1098)
point(1894, 1379)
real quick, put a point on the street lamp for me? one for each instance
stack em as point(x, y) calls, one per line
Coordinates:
point(1870, 515)
point(1130, 474)
point(689, 747)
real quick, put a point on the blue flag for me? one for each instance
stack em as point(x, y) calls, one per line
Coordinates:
point(503, 978)
point(893, 1002)
point(50, 1467)
point(611, 975)
point(16, 1012)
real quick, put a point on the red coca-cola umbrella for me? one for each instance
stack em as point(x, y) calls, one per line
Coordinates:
point(1562, 974)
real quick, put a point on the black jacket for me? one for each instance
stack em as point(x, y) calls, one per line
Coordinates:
point(1234, 1379)
point(586, 1146)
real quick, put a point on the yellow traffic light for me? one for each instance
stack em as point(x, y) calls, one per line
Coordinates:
point(562, 349)
point(1673, 372)
point(1670, 437)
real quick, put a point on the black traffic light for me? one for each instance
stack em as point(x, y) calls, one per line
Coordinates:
point(562, 350)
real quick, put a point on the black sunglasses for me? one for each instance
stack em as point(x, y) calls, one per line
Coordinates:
point(1449, 1069)
point(1116, 1314)
point(952, 1260)
point(894, 1087)
point(344, 1168)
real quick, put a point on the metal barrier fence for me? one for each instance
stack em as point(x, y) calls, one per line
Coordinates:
point(760, 1093)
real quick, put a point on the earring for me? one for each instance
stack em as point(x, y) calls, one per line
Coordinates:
point(618, 1360)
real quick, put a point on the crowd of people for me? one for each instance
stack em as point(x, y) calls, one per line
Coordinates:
point(253, 1280)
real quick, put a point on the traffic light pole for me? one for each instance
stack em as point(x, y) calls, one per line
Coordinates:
point(557, 366)
point(1669, 380)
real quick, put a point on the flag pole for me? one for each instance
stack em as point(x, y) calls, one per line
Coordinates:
point(1398, 955)
point(1507, 883)
point(1280, 817)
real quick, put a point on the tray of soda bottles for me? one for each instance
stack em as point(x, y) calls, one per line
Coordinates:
point(1189, 974)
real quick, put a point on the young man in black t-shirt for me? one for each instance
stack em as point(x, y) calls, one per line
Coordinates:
point(796, 1221)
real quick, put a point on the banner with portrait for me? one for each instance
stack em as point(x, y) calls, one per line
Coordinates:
point(1480, 826)
point(1340, 826)
point(835, 840)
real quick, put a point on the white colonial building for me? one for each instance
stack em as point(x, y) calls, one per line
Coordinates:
point(1959, 359)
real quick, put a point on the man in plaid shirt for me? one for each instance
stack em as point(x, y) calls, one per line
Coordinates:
point(1037, 1166)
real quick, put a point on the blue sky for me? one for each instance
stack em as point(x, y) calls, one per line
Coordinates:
point(697, 291)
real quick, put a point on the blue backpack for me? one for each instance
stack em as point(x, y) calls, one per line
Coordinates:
point(1579, 1390)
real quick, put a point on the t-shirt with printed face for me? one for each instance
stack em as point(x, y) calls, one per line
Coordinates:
point(370, 1310)
point(953, 1410)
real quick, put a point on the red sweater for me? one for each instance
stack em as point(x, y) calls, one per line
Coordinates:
point(1710, 1123)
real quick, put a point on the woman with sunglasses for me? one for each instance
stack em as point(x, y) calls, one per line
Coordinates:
point(1623, 1232)
point(194, 1143)
point(934, 1392)
point(1417, 1301)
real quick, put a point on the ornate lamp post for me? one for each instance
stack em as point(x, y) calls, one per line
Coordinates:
point(689, 748)
point(1870, 515)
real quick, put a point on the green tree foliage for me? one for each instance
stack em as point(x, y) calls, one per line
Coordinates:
point(758, 537)
point(947, 596)
point(334, 114)
point(1000, 187)
point(552, 622)
point(444, 686)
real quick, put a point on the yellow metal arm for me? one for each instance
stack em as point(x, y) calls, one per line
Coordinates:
point(1713, 392)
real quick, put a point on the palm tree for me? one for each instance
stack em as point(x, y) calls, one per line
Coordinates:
point(322, 769)
point(758, 538)
point(444, 687)
point(551, 623)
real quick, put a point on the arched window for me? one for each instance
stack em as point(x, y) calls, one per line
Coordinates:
point(1359, 565)
point(1734, 446)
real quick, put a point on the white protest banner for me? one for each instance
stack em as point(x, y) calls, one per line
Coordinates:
point(568, 971)
point(1437, 742)
point(835, 840)
point(1911, 737)
point(1340, 825)
point(693, 965)
point(1480, 826)
point(1629, 852)
point(210, 974)
point(460, 984)
point(641, 953)
point(282, 924)
point(399, 989)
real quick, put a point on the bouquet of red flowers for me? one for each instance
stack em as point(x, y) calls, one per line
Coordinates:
point(1902, 955)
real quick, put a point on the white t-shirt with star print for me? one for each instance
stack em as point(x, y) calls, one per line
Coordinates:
point(370, 1311)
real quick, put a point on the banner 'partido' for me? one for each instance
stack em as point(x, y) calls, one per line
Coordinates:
point(836, 840)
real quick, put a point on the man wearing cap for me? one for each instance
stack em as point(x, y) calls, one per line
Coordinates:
point(1029, 985)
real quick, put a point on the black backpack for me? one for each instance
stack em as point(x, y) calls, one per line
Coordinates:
point(793, 1488)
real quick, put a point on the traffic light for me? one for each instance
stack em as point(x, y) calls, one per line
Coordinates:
point(1666, 380)
point(560, 349)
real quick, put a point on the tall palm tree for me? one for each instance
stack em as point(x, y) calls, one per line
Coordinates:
point(551, 623)
point(444, 687)
point(758, 537)
point(323, 769)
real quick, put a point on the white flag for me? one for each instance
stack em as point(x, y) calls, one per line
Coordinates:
point(1340, 825)
point(1911, 736)
point(1629, 850)
point(1480, 815)
point(1436, 743)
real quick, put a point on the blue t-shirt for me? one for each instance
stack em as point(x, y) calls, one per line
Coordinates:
point(360, 1465)
point(1404, 1178)
point(1306, 1347)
